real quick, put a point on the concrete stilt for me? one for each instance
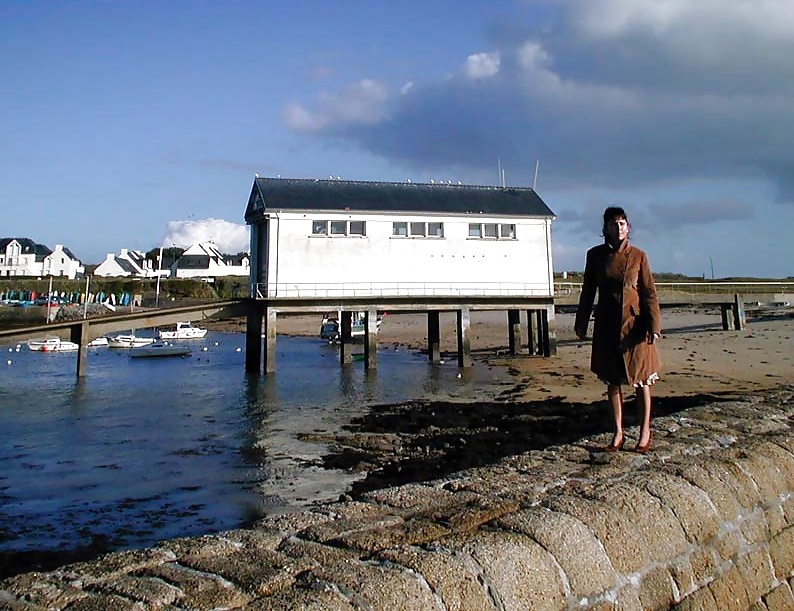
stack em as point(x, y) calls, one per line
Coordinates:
point(549, 331)
point(253, 342)
point(464, 342)
point(434, 336)
point(514, 329)
point(371, 339)
point(270, 340)
point(345, 338)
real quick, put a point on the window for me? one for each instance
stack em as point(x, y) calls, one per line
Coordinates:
point(418, 229)
point(435, 230)
point(339, 228)
point(492, 231)
point(507, 232)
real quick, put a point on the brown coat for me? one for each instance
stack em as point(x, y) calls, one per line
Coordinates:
point(627, 310)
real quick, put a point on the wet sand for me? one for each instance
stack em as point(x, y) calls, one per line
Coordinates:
point(534, 403)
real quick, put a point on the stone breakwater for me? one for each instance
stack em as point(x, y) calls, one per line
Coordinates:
point(706, 521)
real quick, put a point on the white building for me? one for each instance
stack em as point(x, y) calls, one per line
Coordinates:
point(334, 238)
point(204, 260)
point(127, 263)
point(24, 257)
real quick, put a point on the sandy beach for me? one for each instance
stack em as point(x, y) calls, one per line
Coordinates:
point(698, 357)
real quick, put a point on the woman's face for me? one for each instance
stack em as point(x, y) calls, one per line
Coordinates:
point(617, 230)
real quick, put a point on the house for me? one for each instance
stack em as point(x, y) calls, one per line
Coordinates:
point(24, 257)
point(204, 260)
point(337, 238)
point(127, 263)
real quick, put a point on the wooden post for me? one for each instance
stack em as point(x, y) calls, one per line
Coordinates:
point(253, 341)
point(270, 317)
point(738, 312)
point(371, 339)
point(727, 316)
point(514, 338)
point(532, 332)
point(549, 331)
point(434, 336)
point(79, 334)
point(345, 338)
point(464, 343)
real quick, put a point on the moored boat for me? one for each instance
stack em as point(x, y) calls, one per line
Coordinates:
point(52, 344)
point(183, 330)
point(159, 349)
point(128, 341)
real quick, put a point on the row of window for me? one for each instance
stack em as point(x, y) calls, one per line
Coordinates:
point(498, 231)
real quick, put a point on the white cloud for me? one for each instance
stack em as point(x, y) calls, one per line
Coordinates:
point(230, 238)
point(482, 65)
point(363, 103)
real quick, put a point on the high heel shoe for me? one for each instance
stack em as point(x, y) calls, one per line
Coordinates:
point(643, 449)
point(616, 447)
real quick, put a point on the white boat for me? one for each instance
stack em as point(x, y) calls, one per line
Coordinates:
point(128, 341)
point(184, 330)
point(52, 344)
point(159, 349)
point(98, 342)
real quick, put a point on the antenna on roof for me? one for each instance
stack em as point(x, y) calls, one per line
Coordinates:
point(535, 181)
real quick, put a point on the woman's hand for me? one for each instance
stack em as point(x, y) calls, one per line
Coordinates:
point(580, 333)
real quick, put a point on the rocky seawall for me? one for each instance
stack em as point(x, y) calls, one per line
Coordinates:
point(705, 521)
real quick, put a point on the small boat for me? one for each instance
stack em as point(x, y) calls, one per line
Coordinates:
point(184, 330)
point(98, 342)
point(128, 341)
point(52, 344)
point(159, 349)
point(330, 328)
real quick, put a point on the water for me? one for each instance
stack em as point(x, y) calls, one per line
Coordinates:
point(147, 449)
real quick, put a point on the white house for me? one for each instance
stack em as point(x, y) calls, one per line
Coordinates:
point(24, 257)
point(126, 263)
point(204, 260)
point(328, 238)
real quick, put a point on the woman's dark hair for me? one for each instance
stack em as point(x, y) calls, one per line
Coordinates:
point(612, 213)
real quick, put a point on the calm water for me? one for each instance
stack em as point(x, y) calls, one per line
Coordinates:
point(147, 449)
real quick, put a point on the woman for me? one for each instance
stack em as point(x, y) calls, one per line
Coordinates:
point(627, 322)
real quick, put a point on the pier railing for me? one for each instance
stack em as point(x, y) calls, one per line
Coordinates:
point(400, 289)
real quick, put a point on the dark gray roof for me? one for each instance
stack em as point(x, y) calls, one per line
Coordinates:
point(27, 247)
point(126, 266)
point(193, 262)
point(302, 194)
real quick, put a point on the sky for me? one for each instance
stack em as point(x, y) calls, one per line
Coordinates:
point(140, 124)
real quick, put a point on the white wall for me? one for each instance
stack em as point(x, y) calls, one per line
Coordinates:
point(380, 263)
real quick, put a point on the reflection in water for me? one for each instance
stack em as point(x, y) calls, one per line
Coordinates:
point(146, 449)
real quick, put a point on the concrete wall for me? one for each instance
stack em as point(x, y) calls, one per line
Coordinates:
point(706, 521)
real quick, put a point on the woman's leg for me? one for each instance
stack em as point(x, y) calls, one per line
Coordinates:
point(644, 395)
point(615, 396)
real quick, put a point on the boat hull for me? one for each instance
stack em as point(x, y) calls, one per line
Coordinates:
point(159, 350)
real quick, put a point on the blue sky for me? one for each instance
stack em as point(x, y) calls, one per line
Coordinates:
point(131, 124)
